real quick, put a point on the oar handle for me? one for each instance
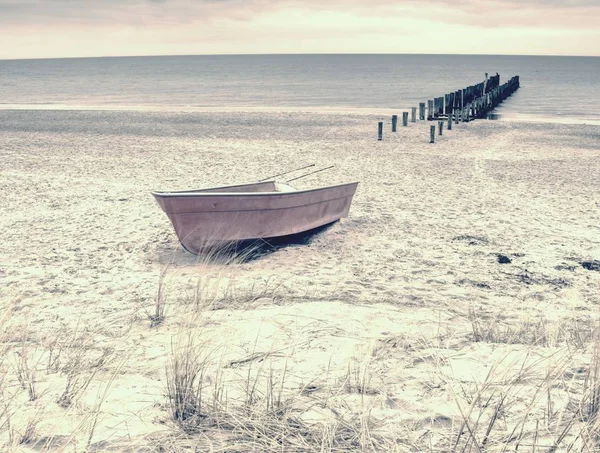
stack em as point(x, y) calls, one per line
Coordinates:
point(287, 172)
point(311, 173)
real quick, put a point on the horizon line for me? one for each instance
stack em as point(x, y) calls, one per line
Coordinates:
point(294, 54)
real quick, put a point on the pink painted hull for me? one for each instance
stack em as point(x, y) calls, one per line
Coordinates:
point(205, 218)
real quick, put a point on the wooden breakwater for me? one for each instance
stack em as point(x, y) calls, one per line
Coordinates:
point(472, 102)
point(464, 105)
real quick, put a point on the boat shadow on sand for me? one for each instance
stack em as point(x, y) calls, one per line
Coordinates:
point(252, 250)
point(243, 251)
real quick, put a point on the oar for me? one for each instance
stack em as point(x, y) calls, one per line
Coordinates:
point(291, 171)
point(311, 173)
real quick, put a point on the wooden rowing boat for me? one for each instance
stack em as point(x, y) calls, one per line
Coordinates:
point(209, 217)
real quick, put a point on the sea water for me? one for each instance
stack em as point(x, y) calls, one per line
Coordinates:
point(564, 89)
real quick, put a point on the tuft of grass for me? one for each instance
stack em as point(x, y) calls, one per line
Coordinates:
point(29, 435)
point(187, 386)
point(89, 422)
point(590, 406)
point(519, 408)
point(216, 290)
point(26, 370)
point(262, 412)
point(80, 370)
point(357, 378)
point(6, 398)
point(217, 285)
point(575, 333)
point(160, 301)
point(486, 422)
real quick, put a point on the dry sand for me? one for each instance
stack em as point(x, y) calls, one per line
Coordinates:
point(379, 318)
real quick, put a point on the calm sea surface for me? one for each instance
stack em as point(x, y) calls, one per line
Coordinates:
point(552, 88)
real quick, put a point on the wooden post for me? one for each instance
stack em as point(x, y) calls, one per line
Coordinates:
point(380, 131)
point(421, 110)
point(405, 118)
point(440, 127)
point(450, 121)
point(432, 134)
point(429, 109)
point(413, 116)
point(394, 122)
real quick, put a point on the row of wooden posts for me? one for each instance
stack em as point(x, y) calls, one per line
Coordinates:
point(464, 105)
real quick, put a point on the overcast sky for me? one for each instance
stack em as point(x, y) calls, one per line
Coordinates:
point(76, 28)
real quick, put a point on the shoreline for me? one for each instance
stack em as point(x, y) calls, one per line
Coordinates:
point(317, 110)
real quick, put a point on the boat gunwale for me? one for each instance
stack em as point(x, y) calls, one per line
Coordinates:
point(260, 209)
point(199, 193)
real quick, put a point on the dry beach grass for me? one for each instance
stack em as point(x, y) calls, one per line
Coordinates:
point(455, 309)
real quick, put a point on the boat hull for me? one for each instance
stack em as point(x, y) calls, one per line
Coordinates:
point(206, 219)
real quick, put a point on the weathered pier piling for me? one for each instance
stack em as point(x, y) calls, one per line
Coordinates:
point(472, 102)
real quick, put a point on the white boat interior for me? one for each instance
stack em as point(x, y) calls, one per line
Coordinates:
point(262, 187)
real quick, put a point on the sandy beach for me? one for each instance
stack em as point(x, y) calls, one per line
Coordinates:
point(456, 307)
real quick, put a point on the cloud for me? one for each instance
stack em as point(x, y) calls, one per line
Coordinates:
point(492, 13)
point(136, 27)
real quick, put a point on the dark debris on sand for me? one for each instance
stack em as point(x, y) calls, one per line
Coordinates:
point(503, 259)
point(471, 240)
point(530, 278)
point(593, 265)
point(565, 267)
point(477, 284)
